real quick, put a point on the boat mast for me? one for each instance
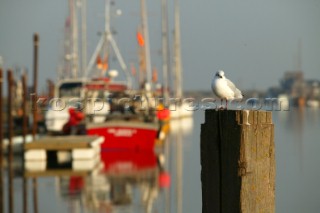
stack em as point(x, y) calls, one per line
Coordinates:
point(146, 38)
point(65, 70)
point(165, 49)
point(74, 39)
point(177, 51)
point(83, 36)
point(105, 40)
point(107, 28)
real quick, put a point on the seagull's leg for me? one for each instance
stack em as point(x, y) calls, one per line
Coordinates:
point(221, 104)
point(226, 104)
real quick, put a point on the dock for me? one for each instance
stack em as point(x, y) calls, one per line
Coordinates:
point(79, 153)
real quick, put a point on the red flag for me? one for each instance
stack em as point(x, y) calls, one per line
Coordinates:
point(99, 62)
point(140, 39)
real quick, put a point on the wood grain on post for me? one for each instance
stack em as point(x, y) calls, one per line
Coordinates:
point(238, 162)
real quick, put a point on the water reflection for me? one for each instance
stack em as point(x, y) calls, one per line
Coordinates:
point(297, 122)
point(123, 176)
point(127, 181)
point(121, 181)
point(297, 146)
point(180, 128)
point(168, 180)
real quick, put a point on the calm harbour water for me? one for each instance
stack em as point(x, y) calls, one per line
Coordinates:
point(297, 158)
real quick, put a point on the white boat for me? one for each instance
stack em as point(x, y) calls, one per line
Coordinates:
point(57, 114)
point(283, 101)
point(313, 103)
point(181, 111)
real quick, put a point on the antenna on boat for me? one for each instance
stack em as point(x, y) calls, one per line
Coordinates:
point(105, 40)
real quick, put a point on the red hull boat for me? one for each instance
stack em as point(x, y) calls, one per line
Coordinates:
point(132, 135)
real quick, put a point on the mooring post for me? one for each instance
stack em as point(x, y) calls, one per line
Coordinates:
point(35, 111)
point(35, 83)
point(24, 133)
point(1, 144)
point(238, 162)
point(10, 136)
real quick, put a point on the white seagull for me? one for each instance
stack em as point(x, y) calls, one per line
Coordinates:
point(224, 89)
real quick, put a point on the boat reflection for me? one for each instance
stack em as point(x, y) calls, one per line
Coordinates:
point(125, 180)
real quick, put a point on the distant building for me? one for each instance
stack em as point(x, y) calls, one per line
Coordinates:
point(313, 89)
point(299, 91)
point(273, 92)
point(293, 84)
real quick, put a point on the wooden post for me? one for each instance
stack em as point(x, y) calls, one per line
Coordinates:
point(35, 111)
point(10, 136)
point(35, 82)
point(238, 162)
point(50, 89)
point(24, 133)
point(1, 144)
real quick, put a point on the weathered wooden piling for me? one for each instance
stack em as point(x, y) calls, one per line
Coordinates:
point(10, 136)
point(238, 162)
point(24, 108)
point(35, 111)
point(1, 144)
point(35, 83)
point(24, 133)
point(50, 89)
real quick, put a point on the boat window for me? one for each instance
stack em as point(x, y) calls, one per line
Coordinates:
point(70, 89)
point(100, 94)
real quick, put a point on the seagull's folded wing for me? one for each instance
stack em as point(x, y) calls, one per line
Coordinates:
point(237, 92)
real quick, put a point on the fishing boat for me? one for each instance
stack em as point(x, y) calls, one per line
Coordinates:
point(112, 108)
point(126, 126)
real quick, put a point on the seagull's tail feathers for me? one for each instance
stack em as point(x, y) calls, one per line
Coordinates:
point(238, 94)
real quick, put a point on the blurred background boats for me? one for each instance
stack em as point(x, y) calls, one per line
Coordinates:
point(148, 161)
point(122, 150)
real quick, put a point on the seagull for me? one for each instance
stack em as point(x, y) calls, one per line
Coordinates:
point(224, 89)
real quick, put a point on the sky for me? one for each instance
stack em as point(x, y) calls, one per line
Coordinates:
point(253, 41)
